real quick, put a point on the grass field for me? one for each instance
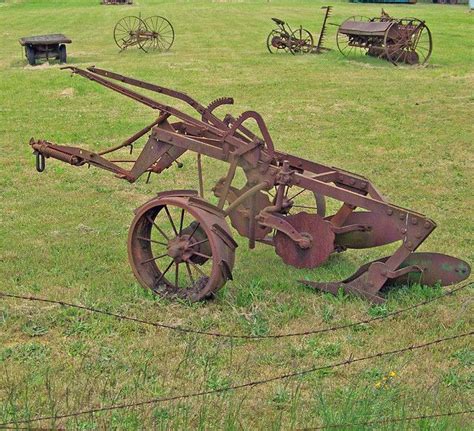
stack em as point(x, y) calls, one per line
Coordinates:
point(63, 233)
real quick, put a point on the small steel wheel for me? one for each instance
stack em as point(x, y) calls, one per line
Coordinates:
point(181, 247)
point(30, 55)
point(129, 32)
point(301, 41)
point(297, 199)
point(278, 42)
point(62, 54)
point(408, 41)
point(159, 34)
point(351, 45)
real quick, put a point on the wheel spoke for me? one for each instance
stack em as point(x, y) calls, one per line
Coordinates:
point(154, 258)
point(181, 219)
point(194, 231)
point(197, 268)
point(188, 268)
point(176, 275)
point(297, 194)
point(171, 220)
point(199, 242)
point(205, 256)
point(164, 272)
point(157, 227)
point(151, 240)
point(304, 206)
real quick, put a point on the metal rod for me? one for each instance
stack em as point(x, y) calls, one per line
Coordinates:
point(201, 182)
point(258, 187)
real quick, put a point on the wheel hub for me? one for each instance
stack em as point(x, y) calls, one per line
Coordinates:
point(180, 248)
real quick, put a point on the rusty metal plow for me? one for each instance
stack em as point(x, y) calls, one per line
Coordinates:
point(181, 245)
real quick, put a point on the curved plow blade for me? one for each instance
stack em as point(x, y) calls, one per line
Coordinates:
point(422, 268)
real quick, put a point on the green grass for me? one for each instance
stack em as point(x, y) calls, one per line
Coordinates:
point(63, 233)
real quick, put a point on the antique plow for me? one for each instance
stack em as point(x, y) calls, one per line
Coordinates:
point(300, 41)
point(152, 33)
point(405, 40)
point(180, 244)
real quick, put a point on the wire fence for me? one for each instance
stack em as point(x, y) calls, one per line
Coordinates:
point(251, 384)
point(239, 336)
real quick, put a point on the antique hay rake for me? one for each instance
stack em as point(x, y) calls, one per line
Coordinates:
point(299, 41)
point(405, 40)
point(181, 245)
point(153, 33)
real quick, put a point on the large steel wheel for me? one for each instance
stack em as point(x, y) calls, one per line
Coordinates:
point(408, 41)
point(181, 247)
point(278, 42)
point(301, 41)
point(347, 44)
point(127, 32)
point(160, 33)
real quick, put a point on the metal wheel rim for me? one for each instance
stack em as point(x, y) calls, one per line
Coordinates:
point(161, 277)
point(270, 47)
point(125, 26)
point(298, 35)
point(394, 57)
point(163, 37)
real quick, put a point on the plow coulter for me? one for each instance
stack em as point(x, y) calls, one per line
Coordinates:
point(181, 245)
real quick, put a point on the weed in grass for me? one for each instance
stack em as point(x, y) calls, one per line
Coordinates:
point(465, 356)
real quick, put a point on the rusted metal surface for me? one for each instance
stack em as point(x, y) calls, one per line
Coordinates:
point(300, 41)
point(45, 46)
point(181, 245)
point(154, 33)
point(405, 40)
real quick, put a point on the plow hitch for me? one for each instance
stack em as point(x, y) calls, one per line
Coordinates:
point(181, 245)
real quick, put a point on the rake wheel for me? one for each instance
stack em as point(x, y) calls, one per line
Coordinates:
point(180, 250)
point(127, 32)
point(160, 33)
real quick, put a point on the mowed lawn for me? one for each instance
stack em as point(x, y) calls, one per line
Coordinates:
point(63, 233)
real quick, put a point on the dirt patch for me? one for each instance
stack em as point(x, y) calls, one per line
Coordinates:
point(67, 92)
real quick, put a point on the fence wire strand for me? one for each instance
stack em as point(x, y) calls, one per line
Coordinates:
point(351, 360)
point(237, 336)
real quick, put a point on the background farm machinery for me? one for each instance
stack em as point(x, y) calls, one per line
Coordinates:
point(405, 40)
point(181, 245)
point(152, 33)
point(299, 41)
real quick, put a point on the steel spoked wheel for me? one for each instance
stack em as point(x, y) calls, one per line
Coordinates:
point(278, 42)
point(127, 32)
point(351, 45)
point(160, 33)
point(301, 41)
point(409, 41)
point(180, 250)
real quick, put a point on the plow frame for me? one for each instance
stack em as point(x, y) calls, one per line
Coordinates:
point(250, 210)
